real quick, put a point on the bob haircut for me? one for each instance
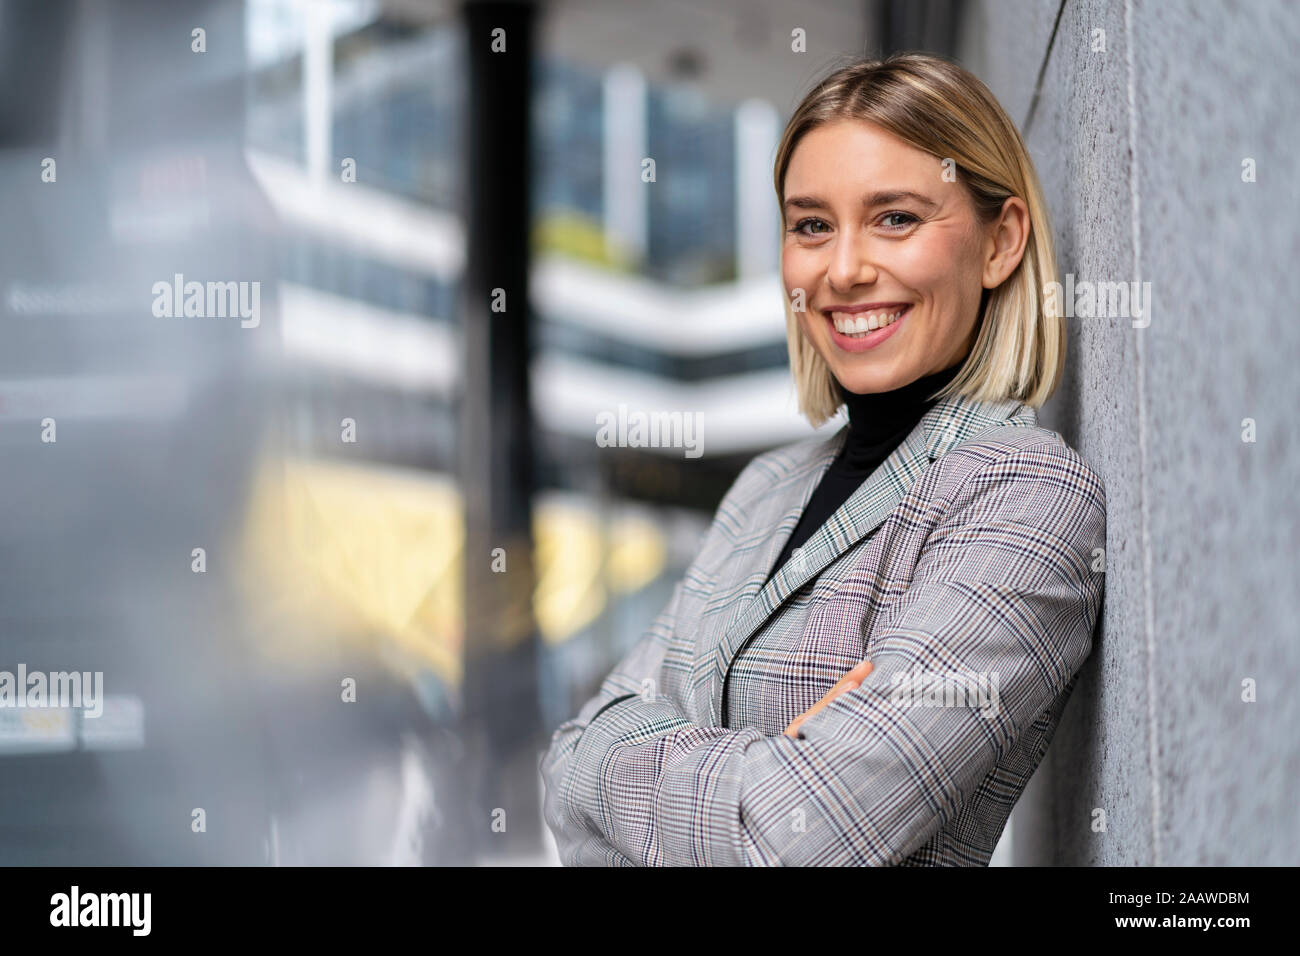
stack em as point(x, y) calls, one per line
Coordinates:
point(937, 106)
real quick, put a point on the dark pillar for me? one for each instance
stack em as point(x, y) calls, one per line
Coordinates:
point(916, 25)
point(500, 694)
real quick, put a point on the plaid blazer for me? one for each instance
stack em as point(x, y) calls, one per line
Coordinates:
point(968, 568)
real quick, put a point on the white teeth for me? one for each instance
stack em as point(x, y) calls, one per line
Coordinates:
point(862, 322)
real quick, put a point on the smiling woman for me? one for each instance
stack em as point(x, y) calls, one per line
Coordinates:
point(941, 539)
point(924, 257)
point(910, 181)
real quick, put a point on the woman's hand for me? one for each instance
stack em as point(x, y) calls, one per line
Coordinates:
point(849, 681)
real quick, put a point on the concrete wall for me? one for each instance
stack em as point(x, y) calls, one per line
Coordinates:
point(1140, 149)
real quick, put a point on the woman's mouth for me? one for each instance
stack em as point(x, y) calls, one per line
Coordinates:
point(860, 330)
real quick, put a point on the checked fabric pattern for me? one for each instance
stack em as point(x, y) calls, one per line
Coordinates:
point(974, 552)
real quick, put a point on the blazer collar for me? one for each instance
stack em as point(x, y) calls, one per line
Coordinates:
point(949, 422)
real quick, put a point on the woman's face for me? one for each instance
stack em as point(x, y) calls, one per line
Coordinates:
point(873, 229)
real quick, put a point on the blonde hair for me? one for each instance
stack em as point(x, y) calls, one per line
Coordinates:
point(937, 106)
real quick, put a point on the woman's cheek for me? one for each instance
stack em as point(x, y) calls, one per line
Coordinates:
point(923, 266)
point(794, 277)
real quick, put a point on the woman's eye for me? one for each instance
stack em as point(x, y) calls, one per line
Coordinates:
point(804, 225)
point(907, 220)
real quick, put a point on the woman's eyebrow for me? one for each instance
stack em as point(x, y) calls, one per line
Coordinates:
point(887, 196)
point(805, 202)
point(881, 198)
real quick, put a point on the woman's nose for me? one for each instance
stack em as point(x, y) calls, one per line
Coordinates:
point(850, 264)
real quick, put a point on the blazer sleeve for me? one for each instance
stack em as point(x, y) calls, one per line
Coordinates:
point(578, 844)
point(1005, 587)
point(633, 681)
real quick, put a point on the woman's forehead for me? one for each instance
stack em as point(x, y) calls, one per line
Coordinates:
point(861, 155)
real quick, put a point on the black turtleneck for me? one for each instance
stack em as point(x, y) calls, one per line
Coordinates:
point(878, 423)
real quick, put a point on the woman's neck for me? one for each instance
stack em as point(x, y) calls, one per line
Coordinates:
point(880, 416)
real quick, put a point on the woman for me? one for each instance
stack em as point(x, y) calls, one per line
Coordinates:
point(869, 656)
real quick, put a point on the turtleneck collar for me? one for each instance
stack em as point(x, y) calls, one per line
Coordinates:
point(880, 420)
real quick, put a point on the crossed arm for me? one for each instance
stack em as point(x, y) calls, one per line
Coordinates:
point(1004, 588)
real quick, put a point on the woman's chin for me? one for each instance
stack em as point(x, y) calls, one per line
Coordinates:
point(867, 381)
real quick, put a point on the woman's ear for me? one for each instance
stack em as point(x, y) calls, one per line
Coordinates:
point(1005, 240)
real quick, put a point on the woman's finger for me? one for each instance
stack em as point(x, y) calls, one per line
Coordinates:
point(850, 681)
point(844, 684)
point(861, 671)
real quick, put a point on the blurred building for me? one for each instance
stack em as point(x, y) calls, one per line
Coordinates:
point(653, 295)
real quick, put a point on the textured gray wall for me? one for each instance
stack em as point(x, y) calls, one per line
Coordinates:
point(1140, 150)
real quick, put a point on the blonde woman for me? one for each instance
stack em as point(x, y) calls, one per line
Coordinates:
point(869, 656)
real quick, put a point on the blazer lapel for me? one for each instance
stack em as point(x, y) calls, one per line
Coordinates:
point(948, 422)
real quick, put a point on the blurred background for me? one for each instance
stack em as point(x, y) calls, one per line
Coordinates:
point(347, 557)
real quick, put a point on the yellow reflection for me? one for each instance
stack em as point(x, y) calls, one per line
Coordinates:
point(374, 554)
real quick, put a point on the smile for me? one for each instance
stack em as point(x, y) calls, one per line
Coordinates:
point(858, 330)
